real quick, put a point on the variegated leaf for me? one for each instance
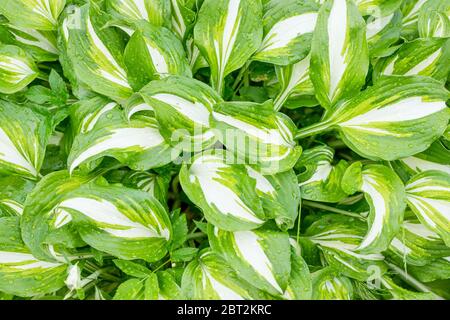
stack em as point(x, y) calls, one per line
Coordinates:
point(95, 52)
point(428, 195)
point(416, 245)
point(385, 194)
point(157, 12)
point(127, 223)
point(410, 10)
point(210, 277)
point(280, 196)
point(339, 237)
point(339, 52)
point(295, 83)
point(24, 134)
point(155, 184)
point(34, 14)
point(328, 284)
point(288, 29)
point(43, 223)
point(433, 23)
point(154, 53)
point(438, 269)
point(299, 285)
point(383, 33)
point(261, 256)
point(13, 192)
point(211, 177)
point(319, 180)
point(398, 117)
point(17, 69)
point(41, 45)
point(136, 142)
point(227, 33)
point(183, 107)
point(257, 134)
point(426, 57)
point(21, 273)
point(437, 157)
point(378, 8)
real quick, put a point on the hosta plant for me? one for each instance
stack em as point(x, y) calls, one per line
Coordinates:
point(224, 149)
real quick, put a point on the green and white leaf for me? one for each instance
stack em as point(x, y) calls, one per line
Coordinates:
point(425, 57)
point(288, 29)
point(157, 12)
point(384, 192)
point(183, 107)
point(42, 45)
point(21, 273)
point(433, 23)
point(210, 277)
point(339, 52)
point(127, 223)
point(154, 53)
point(428, 195)
point(299, 285)
point(339, 237)
point(396, 118)
point(17, 69)
point(437, 157)
point(95, 52)
point(136, 143)
point(34, 14)
point(262, 256)
point(24, 135)
point(257, 134)
point(137, 104)
point(213, 176)
point(319, 180)
point(13, 192)
point(383, 33)
point(295, 82)
point(280, 196)
point(328, 284)
point(227, 33)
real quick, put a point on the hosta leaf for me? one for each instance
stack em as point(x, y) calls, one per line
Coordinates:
point(416, 245)
point(40, 44)
point(156, 185)
point(396, 118)
point(137, 104)
point(384, 191)
point(126, 223)
point(437, 157)
point(299, 286)
point(157, 12)
point(210, 277)
point(258, 134)
point(339, 53)
point(433, 23)
point(43, 222)
point(329, 285)
point(13, 192)
point(136, 143)
point(399, 293)
point(227, 33)
point(382, 33)
point(95, 52)
point(210, 178)
point(35, 14)
point(182, 17)
point(21, 273)
point(24, 134)
point(378, 8)
point(319, 180)
point(338, 238)
point(288, 28)
point(261, 256)
point(410, 10)
point(154, 53)
point(426, 57)
point(17, 69)
point(182, 107)
point(438, 269)
point(295, 82)
point(428, 195)
point(280, 196)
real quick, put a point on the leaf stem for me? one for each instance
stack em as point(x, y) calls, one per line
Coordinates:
point(195, 235)
point(313, 129)
point(317, 205)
